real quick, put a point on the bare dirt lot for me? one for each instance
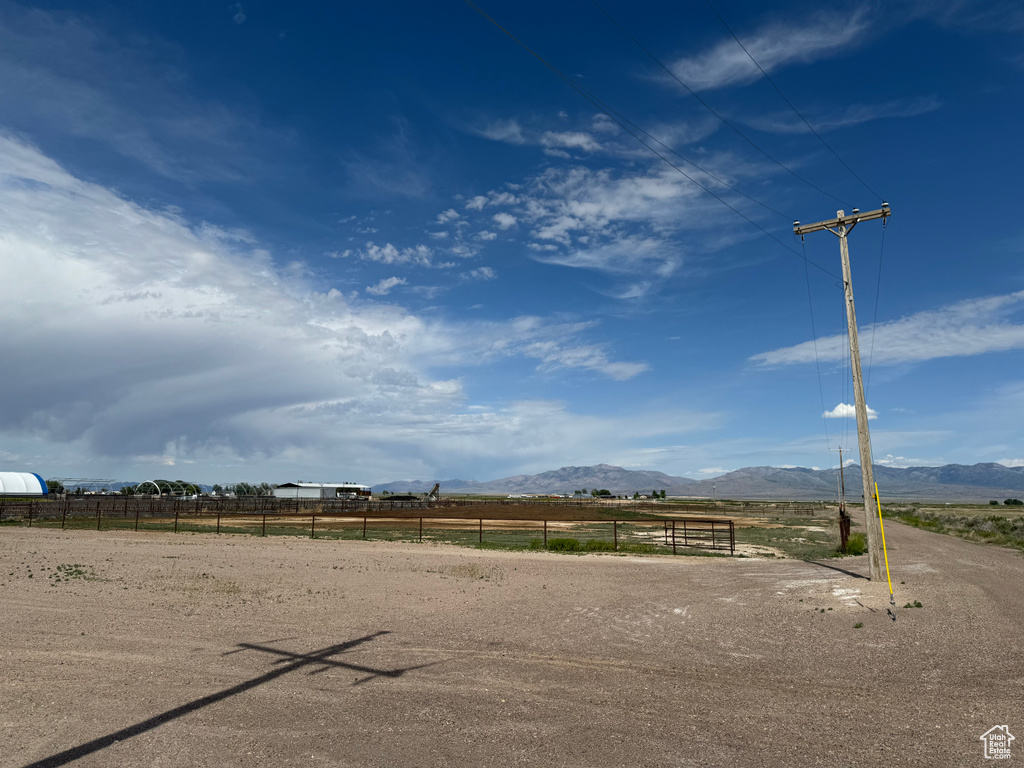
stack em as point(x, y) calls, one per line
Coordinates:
point(149, 649)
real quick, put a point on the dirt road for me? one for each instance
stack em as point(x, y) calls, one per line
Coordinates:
point(150, 649)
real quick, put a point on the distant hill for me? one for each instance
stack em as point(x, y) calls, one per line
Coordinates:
point(953, 482)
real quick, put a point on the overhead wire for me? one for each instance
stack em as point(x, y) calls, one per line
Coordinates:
point(817, 362)
point(690, 90)
point(713, 111)
point(791, 106)
point(874, 321)
point(625, 125)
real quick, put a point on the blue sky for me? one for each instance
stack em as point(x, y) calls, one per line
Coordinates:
point(263, 241)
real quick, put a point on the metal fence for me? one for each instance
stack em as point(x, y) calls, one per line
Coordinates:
point(626, 535)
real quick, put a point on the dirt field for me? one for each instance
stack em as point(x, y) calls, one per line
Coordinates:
point(148, 649)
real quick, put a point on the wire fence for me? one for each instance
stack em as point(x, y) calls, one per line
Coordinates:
point(637, 534)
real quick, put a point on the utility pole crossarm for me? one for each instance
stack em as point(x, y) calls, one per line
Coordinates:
point(848, 221)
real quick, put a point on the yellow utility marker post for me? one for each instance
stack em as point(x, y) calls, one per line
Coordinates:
point(892, 599)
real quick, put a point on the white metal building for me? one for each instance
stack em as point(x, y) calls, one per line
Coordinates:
point(322, 491)
point(22, 484)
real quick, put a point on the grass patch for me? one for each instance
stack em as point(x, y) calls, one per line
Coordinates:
point(794, 538)
point(564, 545)
point(857, 544)
point(1001, 530)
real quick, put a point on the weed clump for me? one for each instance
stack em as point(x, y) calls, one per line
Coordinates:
point(857, 544)
point(564, 545)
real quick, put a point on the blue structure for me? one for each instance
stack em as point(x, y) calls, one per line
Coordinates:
point(22, 484)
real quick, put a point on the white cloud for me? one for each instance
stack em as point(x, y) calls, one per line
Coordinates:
point(776, 45)
point(445, 216)
point(970, 327)
point(847, 411)
point(485, 235)
point(504, 220)
point(851, 114)
point(476, 203)
point(1011, 462)
point(508, 131)
point(388, 254)
point(385, 285)
point(712, 471)
point(569, 140)
point(67, 78)
point(239, 17)
point(481, 273)
point(189, 344)
point(899, 462)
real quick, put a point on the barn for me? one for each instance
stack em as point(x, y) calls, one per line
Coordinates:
point(22, 484)
point(322, 491)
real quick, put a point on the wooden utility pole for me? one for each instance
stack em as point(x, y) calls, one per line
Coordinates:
point(841, 226)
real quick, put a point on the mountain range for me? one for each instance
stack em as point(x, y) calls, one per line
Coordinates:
point(977, 483)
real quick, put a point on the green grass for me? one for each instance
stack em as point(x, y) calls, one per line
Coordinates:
point(857, 544)
point(793, 539)
point(1005, 530)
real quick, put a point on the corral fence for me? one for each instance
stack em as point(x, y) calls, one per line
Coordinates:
point(642, 535)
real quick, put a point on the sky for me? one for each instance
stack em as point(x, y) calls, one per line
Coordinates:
point(374, 242)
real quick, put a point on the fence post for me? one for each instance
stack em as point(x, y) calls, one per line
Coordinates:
point(364, 527)
point(421, 529)
point(686, 537)
point(673, 537)
point(481, 530)
point(312, 527)
point(175, 517)
point(615, 533)
point(264, 521)
point(136, 517)
point(732, 538)
point(30, 515)
point(98, 515)
point(64, 514)
point(218, 519)
point(545, 534)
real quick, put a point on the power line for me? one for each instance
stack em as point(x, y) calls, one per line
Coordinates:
point(814, 341)
point(622, 123)
point(710, 109)
point(874, 321)
point(795, 110)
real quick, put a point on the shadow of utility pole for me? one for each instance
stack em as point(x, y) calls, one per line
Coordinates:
point(290, 662)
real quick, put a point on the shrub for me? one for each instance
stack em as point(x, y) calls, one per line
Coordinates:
point(857, 544)
point(564, 545)
point(594, 545)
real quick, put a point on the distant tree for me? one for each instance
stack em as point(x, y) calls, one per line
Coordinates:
point(127, 490)
point(54, 486)
point(636, 494)
point(1013, 502)
point(993, 503)
point(218, 489)
point(602, 492)
point(663, 493)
